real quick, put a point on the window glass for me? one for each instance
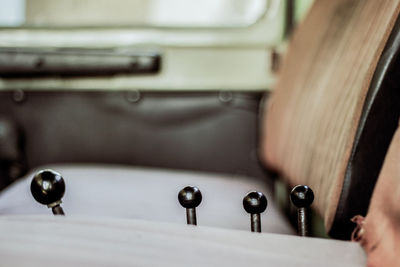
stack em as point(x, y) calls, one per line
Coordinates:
point(156, 13)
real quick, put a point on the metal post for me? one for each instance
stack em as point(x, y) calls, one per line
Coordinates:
point(57, 210)
point(302, 222)
point(255, 221)
point(191, 216)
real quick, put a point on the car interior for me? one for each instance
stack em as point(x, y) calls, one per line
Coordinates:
point(202, 133)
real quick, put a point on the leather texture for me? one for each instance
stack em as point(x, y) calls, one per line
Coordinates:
point(327, 126)
point(204, 131)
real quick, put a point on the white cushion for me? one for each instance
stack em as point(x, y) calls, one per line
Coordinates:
point(147, 194)
point(74, 241)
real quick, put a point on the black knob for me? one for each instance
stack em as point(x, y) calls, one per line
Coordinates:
point(255, 202)
point(190, 197)
point(302, 196)
point(48, 187)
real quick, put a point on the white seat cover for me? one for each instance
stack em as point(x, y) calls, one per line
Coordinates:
point(73, 241)
point(147, 194)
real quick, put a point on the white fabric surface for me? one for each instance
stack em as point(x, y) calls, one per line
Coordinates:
point(76, 241)
point(126, 192)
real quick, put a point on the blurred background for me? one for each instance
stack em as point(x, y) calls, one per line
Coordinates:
point(127, 12)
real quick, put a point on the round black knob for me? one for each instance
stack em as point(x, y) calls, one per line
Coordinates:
point(255, 202)
point(47, 187)
point(190, 197)
point(302, 196)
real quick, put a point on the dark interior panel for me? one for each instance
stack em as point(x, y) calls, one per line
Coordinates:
point(204, 131)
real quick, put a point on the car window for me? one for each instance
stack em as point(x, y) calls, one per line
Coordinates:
point(155, 13)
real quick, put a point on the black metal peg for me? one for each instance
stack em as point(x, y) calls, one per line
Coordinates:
point(255, 203)
point(47, 188)
point(302, 197)
point(190, 197)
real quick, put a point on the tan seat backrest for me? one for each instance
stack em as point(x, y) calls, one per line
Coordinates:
point(313, 113)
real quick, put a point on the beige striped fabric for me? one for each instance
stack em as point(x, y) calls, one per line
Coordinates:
point(312, 116)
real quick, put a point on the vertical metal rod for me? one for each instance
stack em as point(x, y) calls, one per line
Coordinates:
point(255, 221)
point(57, 210)
point(191, 216)
point(302, 222)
